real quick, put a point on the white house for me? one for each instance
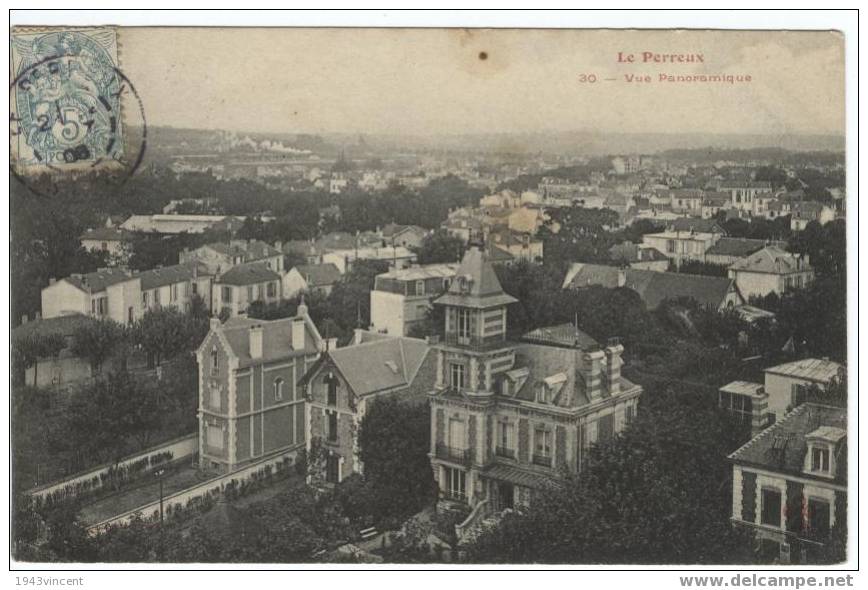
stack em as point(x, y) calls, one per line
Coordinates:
point(771, 270)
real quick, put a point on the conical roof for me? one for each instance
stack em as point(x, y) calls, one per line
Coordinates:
point(475, 284)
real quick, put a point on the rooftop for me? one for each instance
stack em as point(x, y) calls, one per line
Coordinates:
point(276, 339)
point(475, 284)
point(249, 273)
point(782, 446)
point(319, 275)
point(743, 388)
point(771, 259)
point(418, 273)
point(562, 335)
point(818, 370)
point(735, 247)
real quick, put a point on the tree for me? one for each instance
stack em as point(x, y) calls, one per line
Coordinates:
point(97, 341)
point(394, 440)
point(29, 348)
point(577, 234)
point(440, 246)
point(166, 332)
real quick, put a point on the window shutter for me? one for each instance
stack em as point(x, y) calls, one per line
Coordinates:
point(605, 428)
point(793, 510)
point(440, 426)
point(840, 508)
point(471, 437)
point(560, 447)
point(748, 496)
point(523, 442)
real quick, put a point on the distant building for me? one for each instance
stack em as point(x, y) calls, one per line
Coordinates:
point(220, 257)
point(344, 384)
point(789, 483)
point(785, 385)
point(771, 270)
point(310, 278)
point(803, 213)
point(742, 193)
point(110, 238)
point(682, 245)
point(176, 224)
point(243, 284)
point(123, 296)
point(727, 251)
point(507, 418)
point(521, 246)
point(408, 236)
point(250, 403)
point(638, 256)
point(401, 299)
point(397, 257)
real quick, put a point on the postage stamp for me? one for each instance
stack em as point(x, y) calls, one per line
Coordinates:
point(65, 100)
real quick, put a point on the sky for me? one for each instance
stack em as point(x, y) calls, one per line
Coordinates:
point(434, 81)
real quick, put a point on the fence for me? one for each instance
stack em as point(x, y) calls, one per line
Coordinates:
point(94, 479)
point(212, 487)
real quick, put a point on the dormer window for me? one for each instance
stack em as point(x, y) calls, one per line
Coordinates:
point(215, 361)
point(820, 460)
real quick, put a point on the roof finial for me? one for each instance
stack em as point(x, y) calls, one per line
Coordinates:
point(302, 308)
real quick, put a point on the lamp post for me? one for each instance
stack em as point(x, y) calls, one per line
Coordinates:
point(159, 475)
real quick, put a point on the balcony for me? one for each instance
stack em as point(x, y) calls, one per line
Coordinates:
point(475, 342)
point(542, 460)
point(505, 452)
point(453, 496)
point(455, 455)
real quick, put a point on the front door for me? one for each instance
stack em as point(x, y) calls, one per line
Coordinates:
point(505, 493)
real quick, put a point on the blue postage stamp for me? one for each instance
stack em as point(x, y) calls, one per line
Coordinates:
point(65, 100)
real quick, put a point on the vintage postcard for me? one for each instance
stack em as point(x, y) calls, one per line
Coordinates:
point(430, 296)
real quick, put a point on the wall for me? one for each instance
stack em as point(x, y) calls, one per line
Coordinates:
point(756, 284)
point(180, 448)
point(212, 486)
point(387, 312)
point(62, 298)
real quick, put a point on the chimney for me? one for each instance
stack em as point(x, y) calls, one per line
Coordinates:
point(622, 276)
point(298, 329)
point(278, 245)
point(593, 374)
point(759, 413)
point(302, 307)
point(256, 341)
point(613, 365)
point(52, 280)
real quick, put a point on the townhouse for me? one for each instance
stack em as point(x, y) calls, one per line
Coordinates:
point(771, 270)
point(244, 284)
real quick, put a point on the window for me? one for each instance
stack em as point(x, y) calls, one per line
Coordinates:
point(156, 297)
point(173, 292)
point(146, 299)
point(420, 287)
point(102, 306)
point(333, 469)
point(628, 414)
point(331, 390)
point(194, 287)
point(227, 294)
point(456, 435)
point(670, 246)
point(771, 507)
point(278, 389)
point(214, 397)
point(272, 289)
point(130, 315)
point(250, 293)
point(455, 484)
point(504, 440)
point(215, 361)
point(332, 417)
point(542, 450)
point(456, 376)
point(742, 408)
point(818, 517)
point(820, 459)
point(542, 396)
point(463, 326)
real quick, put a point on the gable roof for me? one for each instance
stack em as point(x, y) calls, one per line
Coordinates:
point(771, 259)
point(248, 274)
point(782, 446)
point(276, 339)
point(475, 284)
point(64, 325)
point(562, 335)
point(94, 282)
point(319, 275)
point(250, 251)
point(381, 364)
point(654, 287)
point(696, 224)
point(169, 275)
point(735, 247)
point(581, 275)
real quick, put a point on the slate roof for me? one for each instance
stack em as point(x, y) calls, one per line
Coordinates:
point(696, 224)
point(818, 370)
point(94, 282)
point(249, 273)
point(276, 340)
point(417, 273)
point(630, 252)
point(743, 388)
point(782, 446)
point(771, 259)
point(655, 287)
point(169, 275)
point(475, 284)
point(319, 275)
point(379, 365)
point(716, 198)
point(581, 275)
point(562, 335)
point(394, 229)
point(735, 247)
